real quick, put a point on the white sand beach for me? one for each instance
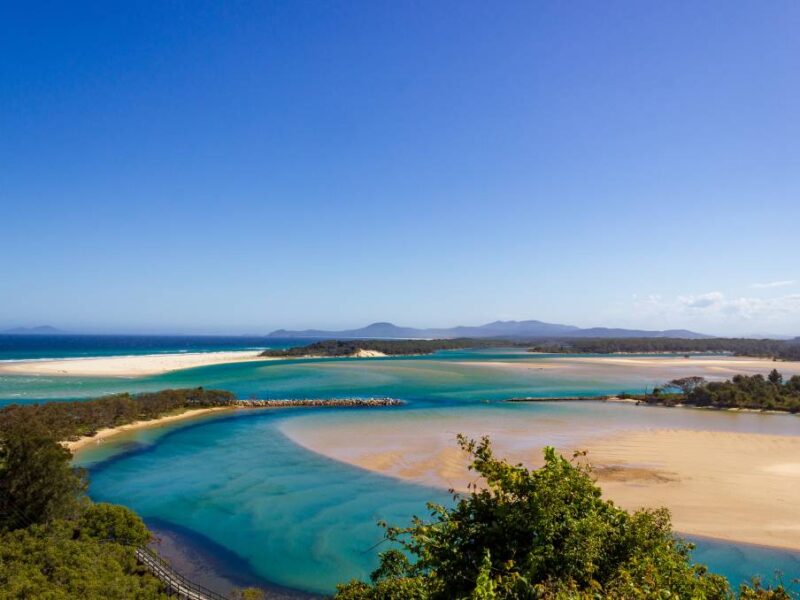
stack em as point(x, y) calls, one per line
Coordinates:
point(361, 353)
point(125, 366)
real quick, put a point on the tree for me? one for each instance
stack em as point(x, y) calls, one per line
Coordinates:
point(775, 378)
point(537, 534)
point(37, 482)
point(686, 384)
point(113, 523)
point(51, 561)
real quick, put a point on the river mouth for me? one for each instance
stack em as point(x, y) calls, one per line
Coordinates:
point(251, 505)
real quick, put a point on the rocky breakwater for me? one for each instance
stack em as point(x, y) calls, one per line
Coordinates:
point(320, 402)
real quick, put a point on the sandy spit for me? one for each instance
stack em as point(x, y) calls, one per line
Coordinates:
point(125, 366)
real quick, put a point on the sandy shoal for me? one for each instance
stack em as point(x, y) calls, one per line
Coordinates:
point(125, 366)
point(658, 367)
point(740, 487)
point(104, 434)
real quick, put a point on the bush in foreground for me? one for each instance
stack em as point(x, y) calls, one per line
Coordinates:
point(58, 561)
point(54, 543)
point(539, 534)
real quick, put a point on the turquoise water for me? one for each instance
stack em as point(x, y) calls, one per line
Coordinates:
point(301, 520)
point(448, 376)
point(294, 517)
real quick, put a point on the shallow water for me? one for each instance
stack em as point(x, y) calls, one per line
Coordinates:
point(304, 521)
point(301, 520)
point(474, 375)
point(294, 517)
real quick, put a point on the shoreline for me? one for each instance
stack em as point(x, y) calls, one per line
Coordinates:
point(743, 490)
point(639, 402)
point(132, 365)
point(108, 432)
point(141, 365)
point(103, 434)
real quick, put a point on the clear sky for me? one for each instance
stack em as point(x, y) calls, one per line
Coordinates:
point(237, 167)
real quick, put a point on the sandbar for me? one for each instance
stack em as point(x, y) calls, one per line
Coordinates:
point(658, 367)
point(138, 365)
point(742, 487)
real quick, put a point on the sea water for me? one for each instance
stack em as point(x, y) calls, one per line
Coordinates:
point(296, 518)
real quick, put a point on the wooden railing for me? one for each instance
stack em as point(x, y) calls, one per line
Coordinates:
point(175, 583)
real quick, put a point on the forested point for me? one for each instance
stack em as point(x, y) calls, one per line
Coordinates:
point(388, 347)
point(754, 392)
point(70, 420)
point(751, 392)
point(765, 348)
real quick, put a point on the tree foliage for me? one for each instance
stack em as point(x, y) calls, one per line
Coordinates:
point(54, 543)
point(37, 481)
point(741, 391)
point(538, 534)
point(765, 348)
point(70, 420)
point(113, 523)
point(58, 561)
point(388, 347)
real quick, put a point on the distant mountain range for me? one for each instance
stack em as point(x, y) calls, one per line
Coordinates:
point(498, 329)
point(40, 330)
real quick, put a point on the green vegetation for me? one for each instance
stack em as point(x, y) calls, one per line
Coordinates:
point(537, 534)
point(777, 349)
point(388, 347)
point(742, 391)
point(541, 534)
point(37, 483)
point(54, 543)
point(61, 561)
point(71, 420)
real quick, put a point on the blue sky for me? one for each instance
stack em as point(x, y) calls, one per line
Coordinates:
point(237, 167)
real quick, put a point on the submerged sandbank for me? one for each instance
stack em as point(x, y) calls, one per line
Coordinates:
point(736, 486)
point(652, 367)
point(126, 366)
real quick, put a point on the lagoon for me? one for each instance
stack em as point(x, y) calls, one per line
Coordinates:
point(291, 516)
